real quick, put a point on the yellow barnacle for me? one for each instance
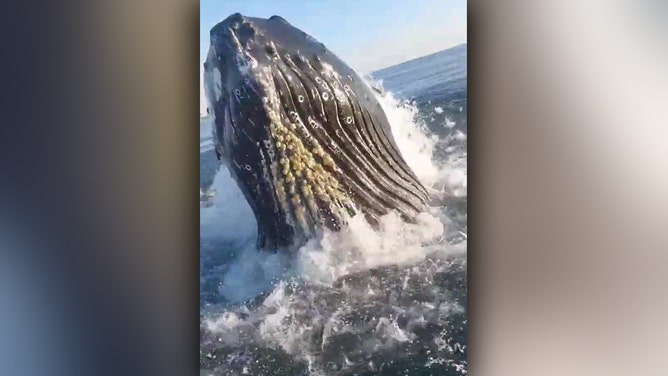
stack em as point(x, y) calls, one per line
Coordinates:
point(300, 212)
point(318, 169)
point(329, 190)
point(328, 161)
point(279, 144)
point(297, 165)
point(289, 177)
point(279, 125)
point(308, 174)
point(280, 192)
point(307, 155)
point(311, 204)
point(293, 126)
point(306, 190)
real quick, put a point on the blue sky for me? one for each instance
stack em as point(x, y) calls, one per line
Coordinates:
point(368, 35)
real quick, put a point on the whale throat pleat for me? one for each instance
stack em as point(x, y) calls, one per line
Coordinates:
point(334, 156)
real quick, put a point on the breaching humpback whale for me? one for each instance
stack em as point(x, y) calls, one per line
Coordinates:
point(301, 133)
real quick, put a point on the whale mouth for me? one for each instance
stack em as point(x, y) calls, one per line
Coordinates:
point(301, 133)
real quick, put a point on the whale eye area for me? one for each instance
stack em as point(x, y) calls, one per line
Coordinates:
point(271, 51)
point(246, 31)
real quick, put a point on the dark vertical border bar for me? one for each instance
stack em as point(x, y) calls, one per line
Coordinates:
point(99, 180)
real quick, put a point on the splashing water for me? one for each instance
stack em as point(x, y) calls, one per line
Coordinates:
point(358, 301)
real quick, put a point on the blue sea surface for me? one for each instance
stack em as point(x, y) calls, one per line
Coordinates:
point(434, 81)
point(439, 77)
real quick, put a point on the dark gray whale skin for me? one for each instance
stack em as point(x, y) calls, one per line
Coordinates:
point(301, 133)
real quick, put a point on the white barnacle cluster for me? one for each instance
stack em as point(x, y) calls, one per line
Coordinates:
point(328, 69)
point(274, 51)
point(246, 62)
point(335, 83)
point(325, 89)
point(270, 148)
point(339, 95)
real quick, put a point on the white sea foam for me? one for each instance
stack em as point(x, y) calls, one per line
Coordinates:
point(359, 247)
point(411, 136)
point(229, 223)
point(417, 145)
point(206, 133)
point(449, 123)
point(230, 218)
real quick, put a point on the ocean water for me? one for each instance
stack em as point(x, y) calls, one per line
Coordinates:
point(357, 302)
